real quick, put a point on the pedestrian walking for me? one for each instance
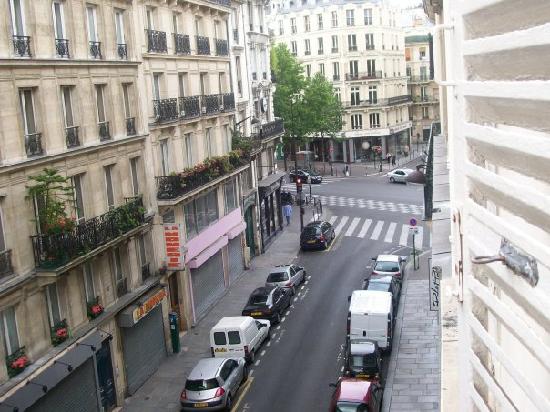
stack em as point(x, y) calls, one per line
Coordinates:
point(287, 212)
point(393, 160)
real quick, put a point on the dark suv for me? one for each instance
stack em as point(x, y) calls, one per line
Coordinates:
point(317, 235)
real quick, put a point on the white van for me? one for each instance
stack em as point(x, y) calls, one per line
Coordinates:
point(370, 317)
point(238, 337)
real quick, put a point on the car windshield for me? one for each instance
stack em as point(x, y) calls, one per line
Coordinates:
point(384, 287)
point(201, 384)
point(351, 407)
point(277, 277)
point(312, 230)
point(258, 299)
point(363, 361)
point(387, 267)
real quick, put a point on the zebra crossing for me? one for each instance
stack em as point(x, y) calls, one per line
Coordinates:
point(291, 187)
point(377, 230)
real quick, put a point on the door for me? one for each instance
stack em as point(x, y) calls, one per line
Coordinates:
point(208, 284)
point(105, 377)
point(174, 298)
point(250, 231)
point(235, 258)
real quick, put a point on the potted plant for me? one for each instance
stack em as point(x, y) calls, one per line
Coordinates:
point(17, 362)
point(94, 308)
point(59, 332)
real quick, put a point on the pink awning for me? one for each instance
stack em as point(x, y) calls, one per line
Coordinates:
point(236, 230)
point(207, 253)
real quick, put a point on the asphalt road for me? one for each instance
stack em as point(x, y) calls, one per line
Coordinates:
point(307, 349)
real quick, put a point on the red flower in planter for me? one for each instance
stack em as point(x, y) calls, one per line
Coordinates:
point(20, 362)
point(61, 333)
point(97, 310)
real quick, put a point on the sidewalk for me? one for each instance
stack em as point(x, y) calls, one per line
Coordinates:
point(161, 391)
point(414, 375)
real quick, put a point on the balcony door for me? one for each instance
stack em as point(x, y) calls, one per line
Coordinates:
point(17, 17)
point(100, 101)
point(371, 67)
point(92, 24)
point(354, 68)
point(2, 238)
point(119, 27)
point(67, 106)
point(58, 20)
point(27, 109)
point(156, 86)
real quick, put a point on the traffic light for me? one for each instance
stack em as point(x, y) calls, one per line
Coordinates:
point(298, 185)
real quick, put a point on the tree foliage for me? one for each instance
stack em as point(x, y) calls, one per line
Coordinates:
point(324, 108)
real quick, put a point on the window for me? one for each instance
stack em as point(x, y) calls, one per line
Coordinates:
point(230, 195)
point(209, 148)
point(52, 298)
point(201, 213)
point(350, 19)
point(182, 82)
point(425, 113)
point(306, 24)
point(422, 53)
point(58, 21)
point(144, 261)
point(308, 70)
point(369, 41)
point(371, 67)
point(374, 119)
point(8, 327)
point(373, 94)
point(92, 23)
point(78, 198)
point(234, 337)
point(109, 187)
point(334, 43)
point(281, 28)
point(293, 25)
point(126, 98)
point(100, 101)
point(322, 68)
point(336, 71)
point(338, 94)
point(294, 47)
point(119, 27)
point(320, 21)
point(356, 121)
point(89, 286)
point(334, 19)
point(164, 158)
point(368, 17)
point(320, 43)
point(423, 73)
point(352, 42)
point(156, 86)
point(354, 68)
point(219, 338)
point(27, 109)
point(308, 47)
point(134, 172)
point(355, 99)
point(2, 240)
point(150, 19)
point(188, 150)
point(117, 265)
point(17, 17)
point(204, 83)
point(67, 105)
point(175, 25)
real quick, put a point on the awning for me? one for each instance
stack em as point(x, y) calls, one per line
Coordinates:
point(207, 253)
point(236, 230)
point(270, 183)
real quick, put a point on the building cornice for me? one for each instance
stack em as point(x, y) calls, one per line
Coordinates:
point(26, 63)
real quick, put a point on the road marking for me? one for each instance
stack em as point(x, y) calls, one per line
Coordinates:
point(404, 235)
point(251, 372)
point(342, 369)
point(341, 225)
point(243, 391)
point(262, 353)
point(257, 362)
point(332, 219)
point(283, 319)
point(278, 327)
point(352, 226)
point(390, 232)
point(268, 343)
point(302, 287)
point(287, 312)
point(377, 230)
point(306, 282)
point(365, 228)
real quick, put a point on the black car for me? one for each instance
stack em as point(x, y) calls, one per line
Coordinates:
point(363, 360)
point(314, 177)
point(386, 283)
point(317, 235)
point(268, 303)
point(304, 176)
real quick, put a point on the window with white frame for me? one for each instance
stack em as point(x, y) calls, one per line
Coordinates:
point(320, 21)
point(61, 45)
point(356, 121)
point(334, 39)
point(8, 327)
point(66, 101)
point(368, 17)
point(352, 42)
point(322, 68)
point(126, 90)
point(308, 70)
point(119, 28)
point(369, 41)
point(201, 213)
point(320, 45)
point(374, 120)
point(373, 94)
point(117, 265)
point(143, 258)
point(17, 17)
point(230, 196)
point(91, 16)
point(89, 284)
point(338, 94)
point(100, 103)
point(188, 139)
point(156, 86)
point(293, 25)
point(54, 310)
point(27, 110)
point(307, 44)
point(335, 71)
point(307, 26)
point(134, 171)
point(77, 182)
point(350, 19)
point(334, 19)
point(354, 68)
point(355, 98)
point(371, 67)
point(294, 47)
point(109, 190)
point(209, 148)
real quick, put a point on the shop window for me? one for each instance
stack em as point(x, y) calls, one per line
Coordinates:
point(230, 196)
point(201, 213)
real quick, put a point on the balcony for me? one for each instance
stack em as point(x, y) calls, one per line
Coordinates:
point(95, 49)
point(228, 100)
point(419, 79)
point(182, 44)
point(269, 130)
point(211, 104)
point(54, 250)
point(375, 102)
point(307, 52)
point(336, 77)
point(166, 110)
point(222, 48)
point(226, 3)
point(334, 50)
point(156, 41)
point(370, 47)
point(131, 126)
point(71, 137)
point(62, 48)
point(122, 51)
point(104, 133)
point(189, 107)
point(425, 99)
point(6, 269)
point(22, 46)
point(364, 75)
point(203, 45)
point(33, 144)
point(404, 98)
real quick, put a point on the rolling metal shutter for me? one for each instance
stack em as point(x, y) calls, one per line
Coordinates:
point(235, 258)
point(76, 393)
point(144, 348)
point(208, 284)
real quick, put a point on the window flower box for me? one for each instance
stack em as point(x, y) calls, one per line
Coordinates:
point(17, 362)
point(94, 308)
point(59, 332)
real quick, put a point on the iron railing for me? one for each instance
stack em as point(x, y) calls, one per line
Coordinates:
point(370, 47)
point(228, 100)
point(22, 46)
point(166, 110)
point(189, 107)
point(425, 99)
point(210, 104)
point(203, 45)
point(182, 44)
point(268, 130)
point(62, 48)
point(254, 76)
point(379, 102)
point(54, 250)
point(122, 51)
point(131, 126)
point(222, 48)
point(419, 79)
point(95, 49)
point(226, 3)
point(33, 144)
point(104, 133)
point(404, 98)
point(156, 41)
point(364, 75)
point(6, 268)
point(71, 136)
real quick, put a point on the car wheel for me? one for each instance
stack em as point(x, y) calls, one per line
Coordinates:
point(251, 357)
point(392, 180)
point(245, 374)
point(228, 403)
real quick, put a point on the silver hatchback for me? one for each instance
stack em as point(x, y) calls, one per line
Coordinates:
point(213, 384)
point(286, 276)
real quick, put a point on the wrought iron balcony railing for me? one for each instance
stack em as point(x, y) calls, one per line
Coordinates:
point(54, 250)
point(404, 98)
point(166, 110)
point(71, 136)
point(22, 46)
point(267, 130)
point(364, 75)
point(122, 51)
point(104, 133)
point(182, 44)
point(156, 41)
point(226, 3)
point(6, 269)
point(425, 99)
point(370, 47)
point(131, 126)
point(33, 144)
point(222, 48)
point(210, 104)
point(419, 79)
point(189, 107)
point(203, 45)
point(228, 100)
point(62, 48)
point(379, 102)
point(95, 49)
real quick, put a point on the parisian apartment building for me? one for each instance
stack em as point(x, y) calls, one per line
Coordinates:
point(359, 46)
point(122, 201)
point(495, 284)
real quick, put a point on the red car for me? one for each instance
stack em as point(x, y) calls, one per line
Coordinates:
point(356, 395)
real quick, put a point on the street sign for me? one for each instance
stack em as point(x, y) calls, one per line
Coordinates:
point(412, 222)
point(413, 230)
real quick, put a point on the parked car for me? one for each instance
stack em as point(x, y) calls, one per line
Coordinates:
point(392, 265)
point(356, 395)
point(385, 284)
point(399, 175)
point(318, 234)
point(302, 174)
point(314, 177)
point(286, 276)
point(268, 303)
point(213, 384)
point(238, 337)
point(363, 359)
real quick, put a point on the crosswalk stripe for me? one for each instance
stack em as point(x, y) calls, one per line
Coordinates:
point(352, 226)
point(365, 228)
point(341, 225)
point(418, 239)
point(377, 230)
point(390, 232)
point(404, 235)
point(333, 219)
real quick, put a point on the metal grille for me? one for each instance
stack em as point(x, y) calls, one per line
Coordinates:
point(208, 284)
point(144, 349)
point(235, 258)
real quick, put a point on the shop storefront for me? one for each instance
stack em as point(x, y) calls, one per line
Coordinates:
point(235, 260)
point(271, 214)
point(249, 207)
point(207, 282)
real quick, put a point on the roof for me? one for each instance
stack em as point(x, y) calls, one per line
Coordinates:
point(264, 290)
point(380, 279)
point(280, 268)
point(362, 347)
point(387, 258)
point(352, 389)
point(232, 322)
point(370, 301)
point(206, 368)
point(419, 38)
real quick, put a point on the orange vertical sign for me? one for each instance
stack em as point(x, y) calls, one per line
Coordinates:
point(174, 250)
